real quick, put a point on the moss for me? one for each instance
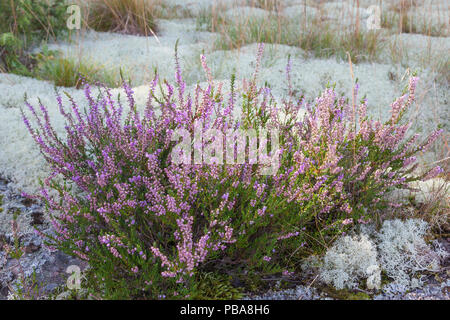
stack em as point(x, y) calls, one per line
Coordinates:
point(16, 213)
point(385, 279)
point(255, 283)
point(346, 294)
point(215, 286)
point(62, 293)
point(358, 296)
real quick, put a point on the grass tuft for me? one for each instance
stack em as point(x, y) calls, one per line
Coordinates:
point(71, 72)
point(405, 22)
point(124, 16)
point(319, 38)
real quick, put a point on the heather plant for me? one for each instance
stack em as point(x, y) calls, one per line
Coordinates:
point(148, 223)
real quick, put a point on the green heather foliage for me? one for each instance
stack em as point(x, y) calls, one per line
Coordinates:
point(149, 227)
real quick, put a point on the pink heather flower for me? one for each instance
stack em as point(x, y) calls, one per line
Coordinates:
point(287, 273)
point(81, 255)
point(409, 161)
point(262, 211)
point(266, 258)
point(135, 269)
point(363, 221)
point(289, 235)
point(347, 221)
point(433, 173)
point(115, 252)
point(346, 208)
point(206, 69)
point(395, 204)
point(431, 139)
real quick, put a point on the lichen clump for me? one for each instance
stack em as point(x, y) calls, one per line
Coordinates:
point(350, 260)
point(398, 249)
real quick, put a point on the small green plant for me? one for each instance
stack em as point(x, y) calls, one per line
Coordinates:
point(12, 58)
point(71, 72)
point(25, 288)
point(33, 19)
point(24, 23)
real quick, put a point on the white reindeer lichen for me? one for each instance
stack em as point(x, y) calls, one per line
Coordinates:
point(350, 260)
point(403, 252)
point(398, 248)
